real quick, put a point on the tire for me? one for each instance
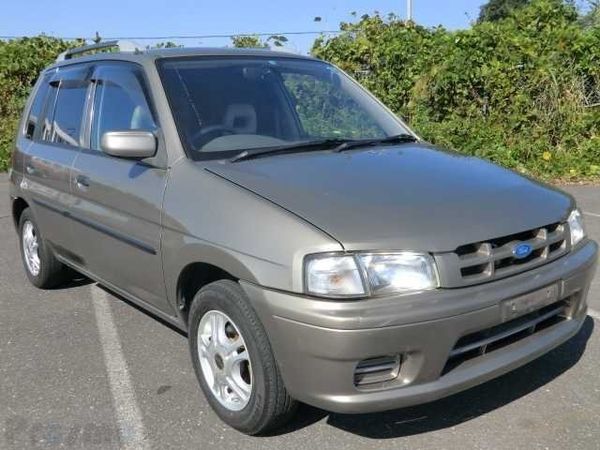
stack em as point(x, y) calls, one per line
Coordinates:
point(50, 272)
point(268, 405)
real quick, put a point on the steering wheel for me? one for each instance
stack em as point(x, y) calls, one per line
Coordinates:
point(209, 133)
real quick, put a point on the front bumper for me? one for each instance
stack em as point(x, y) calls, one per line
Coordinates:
point(319, 343)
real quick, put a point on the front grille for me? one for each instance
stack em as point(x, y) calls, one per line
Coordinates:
point(494, 338)
point(493, 259)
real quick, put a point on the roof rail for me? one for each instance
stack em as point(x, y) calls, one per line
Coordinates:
point(123, 46)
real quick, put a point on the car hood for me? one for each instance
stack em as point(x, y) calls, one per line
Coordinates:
point(406, 197)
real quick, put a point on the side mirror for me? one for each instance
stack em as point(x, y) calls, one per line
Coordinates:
point(129, 144)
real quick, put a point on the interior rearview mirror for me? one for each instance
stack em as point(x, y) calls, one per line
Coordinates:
point(129, 144)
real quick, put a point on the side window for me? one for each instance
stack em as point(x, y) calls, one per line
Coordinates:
point(120, 102)
point(37, 107)
point(68, 112)
point(46, 134)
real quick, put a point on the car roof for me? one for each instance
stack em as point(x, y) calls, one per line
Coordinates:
point(141, 56)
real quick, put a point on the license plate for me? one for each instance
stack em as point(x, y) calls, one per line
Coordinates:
point(527, 303)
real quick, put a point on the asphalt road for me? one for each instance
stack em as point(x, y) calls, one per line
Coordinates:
point(81, 368)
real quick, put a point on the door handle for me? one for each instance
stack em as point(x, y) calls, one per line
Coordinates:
point(30, 169)
point(82, 181)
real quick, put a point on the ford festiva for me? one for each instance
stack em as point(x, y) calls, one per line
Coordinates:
point(311, 245)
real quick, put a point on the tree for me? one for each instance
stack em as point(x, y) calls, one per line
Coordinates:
point(167, 44)
point(248, 42)
point(592, 17)
point(254, 41)
point(495, 10)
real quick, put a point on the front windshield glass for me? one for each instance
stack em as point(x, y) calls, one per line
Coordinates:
point(225, 105)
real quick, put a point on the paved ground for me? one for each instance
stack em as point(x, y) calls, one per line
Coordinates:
point(81, 368)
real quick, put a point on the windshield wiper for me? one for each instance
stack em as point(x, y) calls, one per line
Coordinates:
point(321, 144)
point(339, 145)
point(397, 139)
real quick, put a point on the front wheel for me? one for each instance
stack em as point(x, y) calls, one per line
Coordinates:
point(234, 362)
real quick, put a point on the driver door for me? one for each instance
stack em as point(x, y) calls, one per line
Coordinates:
point(118, 201)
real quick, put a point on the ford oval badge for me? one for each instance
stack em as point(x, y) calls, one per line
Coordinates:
point(522, 251)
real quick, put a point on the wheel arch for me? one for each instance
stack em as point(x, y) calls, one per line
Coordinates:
point(200, 266)
point(194, 277)
point(19, 205)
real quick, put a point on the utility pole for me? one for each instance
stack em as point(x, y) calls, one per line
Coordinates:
point(409, 10)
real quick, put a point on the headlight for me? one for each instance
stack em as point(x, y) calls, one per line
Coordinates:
point(576, 227)
point(361, 274)
point(398, 272)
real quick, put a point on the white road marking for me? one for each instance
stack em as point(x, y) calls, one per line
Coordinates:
point(129, 418)
point(591, 214)
point(594, 314)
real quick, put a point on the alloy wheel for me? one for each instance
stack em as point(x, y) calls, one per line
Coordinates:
point(31, 247)
point(224, 360)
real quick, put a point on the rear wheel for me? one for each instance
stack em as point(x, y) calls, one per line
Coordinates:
point(234, 362)
point(41, 266)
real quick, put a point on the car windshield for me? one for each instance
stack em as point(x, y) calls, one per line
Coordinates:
point(225, 105)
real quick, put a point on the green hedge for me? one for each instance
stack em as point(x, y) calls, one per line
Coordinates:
point(518, 91)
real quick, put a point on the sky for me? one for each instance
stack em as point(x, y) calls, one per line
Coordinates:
point(141, 18)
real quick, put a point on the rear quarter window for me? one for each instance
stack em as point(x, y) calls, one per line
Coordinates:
point(33, 124)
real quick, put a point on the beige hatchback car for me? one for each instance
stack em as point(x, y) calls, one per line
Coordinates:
point(312, 246)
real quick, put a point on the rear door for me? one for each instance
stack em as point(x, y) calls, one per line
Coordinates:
point(54, 127)
point(118, 209)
